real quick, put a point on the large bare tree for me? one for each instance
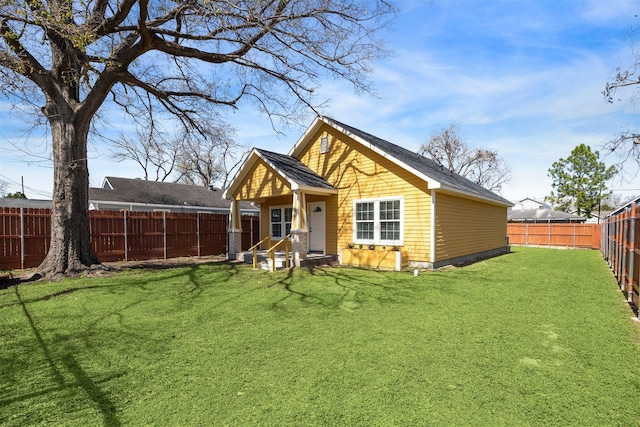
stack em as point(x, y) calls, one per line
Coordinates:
point(73, 58)
point(480, 165)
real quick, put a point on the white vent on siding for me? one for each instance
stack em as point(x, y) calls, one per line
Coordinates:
point(324, 144)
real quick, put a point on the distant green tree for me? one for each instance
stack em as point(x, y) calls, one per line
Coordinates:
point(16, 195)
point(579, 181)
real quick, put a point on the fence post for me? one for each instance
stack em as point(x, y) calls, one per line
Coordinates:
point(632, 251)
point(620, 249)
point(164, 232)
point(22, 238)
point(126, 240)
point(198, 228)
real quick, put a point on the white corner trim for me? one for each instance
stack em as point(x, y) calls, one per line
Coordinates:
point(433, 226)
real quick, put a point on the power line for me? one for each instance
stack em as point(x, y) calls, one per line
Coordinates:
point(18, 187)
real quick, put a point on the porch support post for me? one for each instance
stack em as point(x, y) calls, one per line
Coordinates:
point(235, 230)
point(299, 231)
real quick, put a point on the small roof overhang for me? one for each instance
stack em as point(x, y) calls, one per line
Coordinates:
point(295, 173)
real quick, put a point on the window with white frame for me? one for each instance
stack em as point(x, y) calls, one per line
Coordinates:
point(280, 220)
point(378, 221)
point(364, 221)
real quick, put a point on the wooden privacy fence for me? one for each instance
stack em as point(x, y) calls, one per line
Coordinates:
point(621, 248)
point(568, 235)
point(121, 235)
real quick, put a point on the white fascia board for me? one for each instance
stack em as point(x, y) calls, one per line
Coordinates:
point(314, 190)
point(316, 124)
point(304, 139)
point(157, 206)
point(461, 193)
point(106, 181)
point(244, 169)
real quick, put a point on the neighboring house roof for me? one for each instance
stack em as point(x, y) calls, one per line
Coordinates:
point(437, 176)
point(625, 206)
point(138, 191)
point(529, 203)
point(6, 202)
point(541, 215)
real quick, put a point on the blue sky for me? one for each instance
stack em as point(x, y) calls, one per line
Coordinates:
point(521, 77)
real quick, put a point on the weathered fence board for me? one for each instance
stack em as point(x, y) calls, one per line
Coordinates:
point(121, 235)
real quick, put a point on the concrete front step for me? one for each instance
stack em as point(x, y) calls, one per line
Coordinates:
point(312, 260)
point(280, 262)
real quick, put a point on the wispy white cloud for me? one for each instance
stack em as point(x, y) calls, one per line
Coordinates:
point(522, 77)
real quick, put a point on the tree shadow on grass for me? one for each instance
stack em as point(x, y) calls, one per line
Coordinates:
point(82, 379)
point(8, 281)
point(358, 287)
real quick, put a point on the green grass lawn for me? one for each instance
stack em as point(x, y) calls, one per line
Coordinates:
point(536, 337)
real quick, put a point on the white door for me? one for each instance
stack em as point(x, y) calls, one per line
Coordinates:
point(315, 214)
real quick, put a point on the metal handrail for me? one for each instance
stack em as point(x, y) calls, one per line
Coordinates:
point(254, 248)
point(271, 252)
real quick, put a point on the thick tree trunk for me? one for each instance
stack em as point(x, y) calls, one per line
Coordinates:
point(70, 251)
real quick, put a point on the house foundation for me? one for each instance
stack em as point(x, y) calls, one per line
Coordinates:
point(235, 243)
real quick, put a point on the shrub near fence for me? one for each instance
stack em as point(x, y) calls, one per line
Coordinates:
point(571, 235)
point(621, 248)
point(121, 235)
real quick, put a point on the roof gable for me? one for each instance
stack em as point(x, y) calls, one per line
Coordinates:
point(296, 174)
point(436, 176)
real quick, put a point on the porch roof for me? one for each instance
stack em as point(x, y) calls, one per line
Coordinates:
point(296, 173)
point(294, 170)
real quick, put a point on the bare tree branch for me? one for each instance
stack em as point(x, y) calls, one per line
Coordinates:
point(481, 166)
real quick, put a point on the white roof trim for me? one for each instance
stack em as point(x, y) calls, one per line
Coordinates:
point(251, 160)
point(295, 151)
point(160, 206)
point(244, 169)
point(314, 190)
point(465, 194)
point(106, 181)
point(432, 183)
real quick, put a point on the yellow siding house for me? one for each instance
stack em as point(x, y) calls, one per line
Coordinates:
point(341, 191)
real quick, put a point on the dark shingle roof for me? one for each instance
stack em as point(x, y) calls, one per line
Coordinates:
point(160, 193)
point(424, 165)
point(6, 202)
point(541, 215)
point(294, 169)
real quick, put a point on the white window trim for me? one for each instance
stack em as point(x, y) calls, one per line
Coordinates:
point(376, 222)
point(282, 208)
